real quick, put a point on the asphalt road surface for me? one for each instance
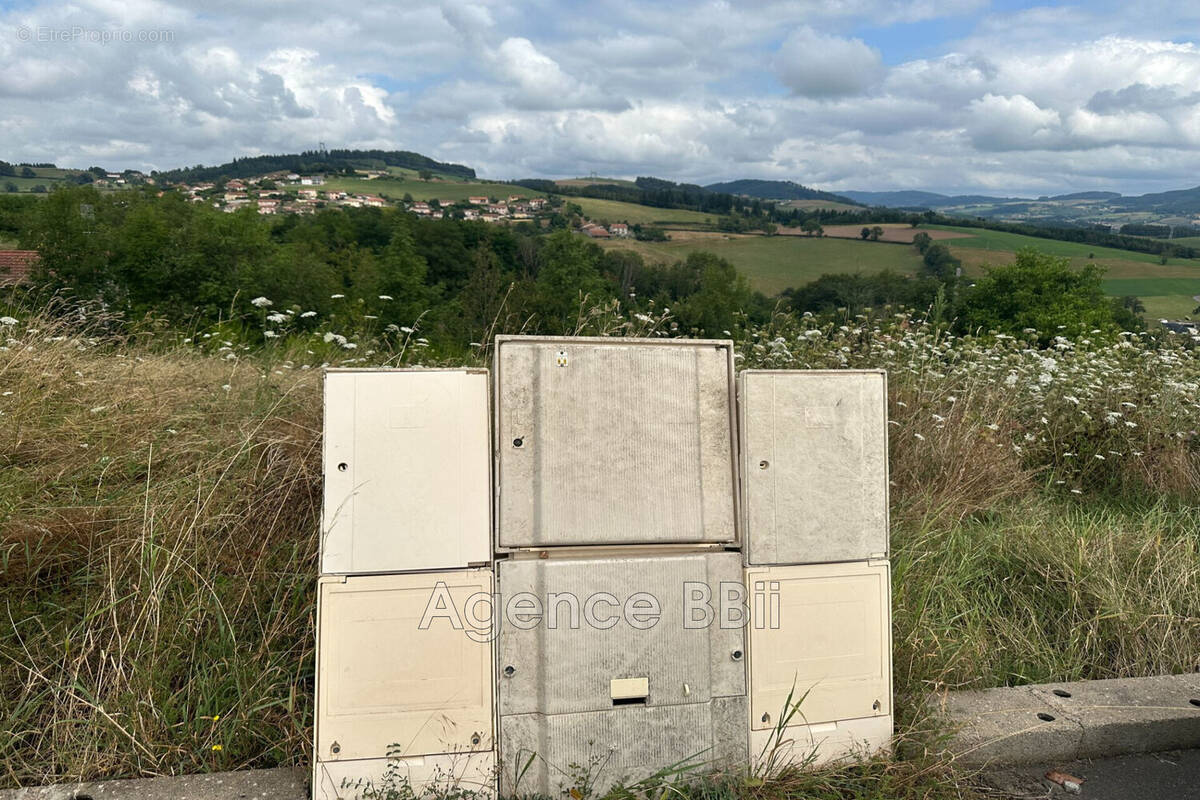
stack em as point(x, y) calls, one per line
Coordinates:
point(1153, 776)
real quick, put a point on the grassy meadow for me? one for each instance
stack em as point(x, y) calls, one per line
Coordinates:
point(774, 263)
point(634, 214)
point(160, 500)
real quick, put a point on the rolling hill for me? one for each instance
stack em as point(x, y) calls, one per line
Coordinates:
point(776, 190)
point(315, 161)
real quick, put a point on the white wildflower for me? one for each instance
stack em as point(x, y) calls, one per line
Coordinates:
point(260, 302)
point(336, 296)
point(308, 314)
point(270, 335)
point(385, 297)
point(8, 321)
point(277, 318)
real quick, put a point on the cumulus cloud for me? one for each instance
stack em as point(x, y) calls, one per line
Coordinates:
point(819, 65)
point(1031, 101)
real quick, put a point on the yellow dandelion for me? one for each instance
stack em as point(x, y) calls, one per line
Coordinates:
point(217, 748)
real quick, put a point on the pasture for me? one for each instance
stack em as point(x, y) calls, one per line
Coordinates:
point(774, 263)
point(617, 211)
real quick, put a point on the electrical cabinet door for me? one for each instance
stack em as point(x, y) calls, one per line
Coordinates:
point(631, 661)
point(814, 465)
point(820, 633)
point(386, 684)
point(407, 471)
point(614, 441)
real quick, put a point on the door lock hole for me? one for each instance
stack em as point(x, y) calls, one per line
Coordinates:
point(342, 467)
point(509, 671)
point(518, 442)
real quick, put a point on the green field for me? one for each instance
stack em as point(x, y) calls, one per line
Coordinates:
point(831, 205)
point(775, 263)
point(634, 214)
point(595, 182)
point(46, 176)
point(443, 190)
point(982, 239)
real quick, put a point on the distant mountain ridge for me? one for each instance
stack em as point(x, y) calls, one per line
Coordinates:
point(1176, 201)
point(915, 198)
point(776, 190)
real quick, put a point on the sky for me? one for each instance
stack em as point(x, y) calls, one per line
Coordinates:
point(1001, 97)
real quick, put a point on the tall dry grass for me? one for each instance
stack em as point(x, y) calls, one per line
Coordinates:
point(159, 504)
point(157, 545)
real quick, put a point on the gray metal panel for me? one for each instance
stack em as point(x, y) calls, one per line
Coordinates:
point(614, 441)
point(569, 669)
point(814, 469)
point(619, 745)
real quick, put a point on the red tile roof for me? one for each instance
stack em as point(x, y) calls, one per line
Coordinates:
point(15, 265)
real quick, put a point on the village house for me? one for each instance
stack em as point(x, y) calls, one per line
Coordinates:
point(373, 201)
point(537, 202)
point(618, 229)
point(312, 180)
point(16, 265)
point(594, 231)
point(478, 201)
point(488, 217)
point(470, 213)
point(308, 194)
point(420, 207)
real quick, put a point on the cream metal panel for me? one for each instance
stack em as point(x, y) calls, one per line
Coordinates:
point(824, 741)
point(614, 441)
point(384, 685)
point(428, 776)
point(824, 630)
point(814, 465)
point(407, 470)
point(579, 658)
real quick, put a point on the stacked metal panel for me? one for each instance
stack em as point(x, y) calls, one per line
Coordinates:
point(616, 475)
point(815, 501)
point(406, 523)
point(663, 557)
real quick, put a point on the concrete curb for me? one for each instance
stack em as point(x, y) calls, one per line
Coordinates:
point(287, 783)
point(1056, 722)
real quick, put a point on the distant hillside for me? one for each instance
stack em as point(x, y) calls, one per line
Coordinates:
point(314, 161)
point(775, 190)
point(1084, 196)
point(917, 199)
point(1179, 201)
